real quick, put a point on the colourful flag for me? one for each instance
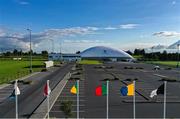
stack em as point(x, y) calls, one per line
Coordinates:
point(101, 90)
point(74, 89)
point(47, 89)
point(127, 90)
point(159, 90)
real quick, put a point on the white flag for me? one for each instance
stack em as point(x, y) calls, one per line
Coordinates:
point(17, 91)
point(153, 93)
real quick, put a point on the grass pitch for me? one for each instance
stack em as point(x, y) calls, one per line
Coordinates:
point(11, 70)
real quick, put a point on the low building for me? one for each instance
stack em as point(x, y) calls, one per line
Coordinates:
point(64, 57)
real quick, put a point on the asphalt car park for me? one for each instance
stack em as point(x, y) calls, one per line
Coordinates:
point(147, 79)
point(66, 95)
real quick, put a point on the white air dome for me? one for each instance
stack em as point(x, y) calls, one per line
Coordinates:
point(104, 52)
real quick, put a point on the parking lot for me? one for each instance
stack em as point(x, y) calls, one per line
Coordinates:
point(67, 96)
point(147, 79)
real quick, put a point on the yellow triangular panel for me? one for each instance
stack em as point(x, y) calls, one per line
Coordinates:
point(74, 90)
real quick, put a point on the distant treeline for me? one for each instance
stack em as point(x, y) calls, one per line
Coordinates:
point(164, 56)
point(20, 53)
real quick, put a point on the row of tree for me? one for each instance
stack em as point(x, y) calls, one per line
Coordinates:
point(138, 52)
point(164, 56)
point(19, 53)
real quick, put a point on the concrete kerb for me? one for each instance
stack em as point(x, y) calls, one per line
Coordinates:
point(41, 111)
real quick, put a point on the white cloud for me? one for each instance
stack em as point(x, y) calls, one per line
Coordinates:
point(11, 39)
point(110, 28)
point(20, 40)
point(80, 45)
point(22, 2)
point(167, 34)
point(173, 2)
point(2, 32)
point(83, 41)
point(128, 26)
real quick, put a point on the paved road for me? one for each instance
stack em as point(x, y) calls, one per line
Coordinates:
point(32, 96)
point(122, 106)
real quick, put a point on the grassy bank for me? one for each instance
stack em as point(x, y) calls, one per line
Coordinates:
point(10, 70)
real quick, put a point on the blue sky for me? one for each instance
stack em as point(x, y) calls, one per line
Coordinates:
point(79, 24)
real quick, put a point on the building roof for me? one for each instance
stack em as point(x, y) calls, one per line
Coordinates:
point(104, 52)
point(64, 54)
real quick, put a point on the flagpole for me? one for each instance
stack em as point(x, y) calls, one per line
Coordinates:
point(107, 100)
point(134, 101)
point(77, 99)
point(165, 83)
point(16, 99)
point(48, 99)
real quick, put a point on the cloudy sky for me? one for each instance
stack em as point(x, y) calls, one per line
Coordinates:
point(78, 24)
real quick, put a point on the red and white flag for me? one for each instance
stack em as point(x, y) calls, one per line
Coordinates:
point(47, 89)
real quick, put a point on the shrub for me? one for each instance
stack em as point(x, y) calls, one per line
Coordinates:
point(27, 82)
point(44, 70)
point(66, 107)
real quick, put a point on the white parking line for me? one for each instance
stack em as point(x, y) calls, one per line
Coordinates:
point(69, 96)
point(69, 87)
point(128, 96)
point(72, 105)
point(68, 92)
point(81, 88)
point(160, 75)
point(72, 111)
point(143, 70)
point(70, 100)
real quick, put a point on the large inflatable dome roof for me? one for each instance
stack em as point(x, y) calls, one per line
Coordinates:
point(102, 51)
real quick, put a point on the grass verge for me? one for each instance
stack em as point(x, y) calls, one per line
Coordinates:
point(165, 63)
point(89, 62)
point(10, 70)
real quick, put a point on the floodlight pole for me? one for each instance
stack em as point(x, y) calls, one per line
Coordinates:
point(178, 56)
point(52, 45)
point(30, 50)
point(61, 58)
point(152, 53)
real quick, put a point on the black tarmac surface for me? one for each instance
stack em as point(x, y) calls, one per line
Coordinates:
point(120, 106)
